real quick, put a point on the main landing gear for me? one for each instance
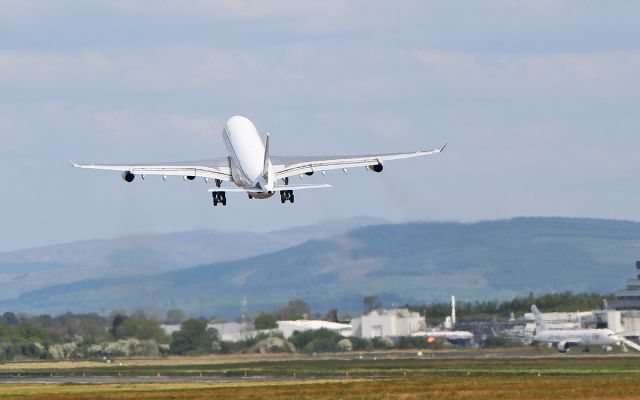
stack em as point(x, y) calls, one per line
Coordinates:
point(219, 197)
point(286, 195)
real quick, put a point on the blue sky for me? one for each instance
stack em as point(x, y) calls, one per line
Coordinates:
point(538, 101)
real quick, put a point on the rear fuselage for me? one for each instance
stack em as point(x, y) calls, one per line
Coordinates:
point(246, 151)
point(246, 154)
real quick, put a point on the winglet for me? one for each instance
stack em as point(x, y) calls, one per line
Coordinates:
point(443, 147)
point(73, 164)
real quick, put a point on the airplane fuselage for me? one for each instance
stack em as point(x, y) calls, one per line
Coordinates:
point(582, 337)
point(247, 157)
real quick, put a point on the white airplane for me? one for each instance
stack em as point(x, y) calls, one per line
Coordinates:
point(448, 333)
point(564, 339)
point(251, 168)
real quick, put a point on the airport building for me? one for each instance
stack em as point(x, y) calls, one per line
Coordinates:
point(629, 298)
point(288, 327)
point(228, 331)
point(388, 323)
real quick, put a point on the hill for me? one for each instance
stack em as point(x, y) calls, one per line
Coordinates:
point(30, 269)
point(416, 262)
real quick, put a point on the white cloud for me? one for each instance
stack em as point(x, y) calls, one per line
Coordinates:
point(35, 69)
point(605, 73)
point(207, 128)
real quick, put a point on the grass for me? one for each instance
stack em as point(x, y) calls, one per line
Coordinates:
point(461, 387)
point(393, 375)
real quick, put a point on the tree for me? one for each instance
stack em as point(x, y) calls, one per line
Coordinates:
point(140, 329)
point(295, 309)
point(265, 321)
point(116, 321)
point(332, 315)
point(176, 316)
point(371, 303)
point(319, 340)
point(193, 338)
point(9, 318)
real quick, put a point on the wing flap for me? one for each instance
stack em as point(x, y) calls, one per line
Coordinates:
point(291, 166)
point(215, 169)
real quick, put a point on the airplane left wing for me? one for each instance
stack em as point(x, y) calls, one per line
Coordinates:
point(218, 168)
point(291, 166)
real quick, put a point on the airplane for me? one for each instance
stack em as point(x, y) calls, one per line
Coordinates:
point(564, 339)
point(449, 333)
point(251, 168)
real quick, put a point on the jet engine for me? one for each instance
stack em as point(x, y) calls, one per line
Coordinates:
point(128, 176)
point(563, 347)
point(376, 168)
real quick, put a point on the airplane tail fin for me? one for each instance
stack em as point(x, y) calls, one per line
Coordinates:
point(453, 311)
point(540, 325)
point(265, 167)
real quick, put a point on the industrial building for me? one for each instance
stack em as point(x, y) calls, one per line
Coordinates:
point(388, 323)
point(228, 331)
point(629, 298)
point(288, 327)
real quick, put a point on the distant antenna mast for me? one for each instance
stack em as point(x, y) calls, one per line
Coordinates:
point(453, 311)
point(244, 302)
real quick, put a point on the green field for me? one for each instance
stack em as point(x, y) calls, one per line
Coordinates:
point(380, 376)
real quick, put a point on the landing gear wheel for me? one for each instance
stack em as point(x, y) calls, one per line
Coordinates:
point(286, 195)
point(219, 197)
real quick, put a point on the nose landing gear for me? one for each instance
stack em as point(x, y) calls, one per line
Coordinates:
point(287, 195)
point(219, 197)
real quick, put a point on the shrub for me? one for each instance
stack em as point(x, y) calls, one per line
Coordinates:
point(302, 339)
point(345, 345)
point(265, 321)
point(273, 345)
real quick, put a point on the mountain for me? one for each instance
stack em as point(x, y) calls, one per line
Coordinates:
point(31, 269)
point(416, 262)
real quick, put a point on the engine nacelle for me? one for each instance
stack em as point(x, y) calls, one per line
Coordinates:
point(308, 173)
point(128, 176)
point(563, 347)
point(190, 177)
point(376, 168)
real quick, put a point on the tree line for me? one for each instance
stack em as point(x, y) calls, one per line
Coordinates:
point(494, 309)
point(94, 336)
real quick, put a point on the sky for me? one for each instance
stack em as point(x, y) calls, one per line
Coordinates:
point(538, 102)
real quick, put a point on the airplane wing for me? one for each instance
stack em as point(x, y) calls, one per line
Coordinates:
point(291, 166)
point(218, 168)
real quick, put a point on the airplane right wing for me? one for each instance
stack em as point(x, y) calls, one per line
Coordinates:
point(291, 166)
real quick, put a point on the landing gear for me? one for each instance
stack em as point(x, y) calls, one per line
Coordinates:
point(219, 197)
point(287, 195)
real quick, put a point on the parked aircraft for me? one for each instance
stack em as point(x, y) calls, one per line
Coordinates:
point(251, 168)
point(564, 339)
point(448, 331)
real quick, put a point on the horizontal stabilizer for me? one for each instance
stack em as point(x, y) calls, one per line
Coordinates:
point(301, 187)
point(253, 189)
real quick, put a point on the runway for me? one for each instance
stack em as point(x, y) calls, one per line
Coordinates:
point(110, 379)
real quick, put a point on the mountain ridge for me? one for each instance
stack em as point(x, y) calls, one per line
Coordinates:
point(417, 262)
